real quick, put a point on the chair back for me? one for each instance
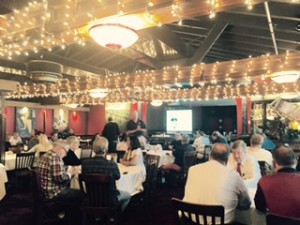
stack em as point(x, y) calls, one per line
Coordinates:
point(264, 168)
point(36, 191)
point(152, 159)
point(120, 155)
point(189, 160)
point(24, 160)
point(188, 213)
point(96, 192)
point(207, 150)
point(273, 219)
point(86, 153)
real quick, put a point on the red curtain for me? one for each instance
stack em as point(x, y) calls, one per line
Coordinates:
point(239, 115)
point(144, 111)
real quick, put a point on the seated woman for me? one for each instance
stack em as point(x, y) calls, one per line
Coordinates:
point(43, 146)
point(134, 155)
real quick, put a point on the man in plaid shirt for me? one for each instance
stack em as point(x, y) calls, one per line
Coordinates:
point(54, 177)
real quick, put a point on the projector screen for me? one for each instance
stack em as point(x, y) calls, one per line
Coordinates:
point(179, 121)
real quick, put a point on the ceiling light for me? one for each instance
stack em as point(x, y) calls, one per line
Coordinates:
point(156, 103)
point(285, 76)
point(113, 35)
point(98, 93)
point(297, 27)
point(71, 105)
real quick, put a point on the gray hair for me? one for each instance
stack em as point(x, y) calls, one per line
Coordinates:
point(71, 139)
point(62, 144)
point(185, 139)
point(239, 144)
point(100, 145)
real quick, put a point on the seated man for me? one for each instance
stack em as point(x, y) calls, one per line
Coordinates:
point(243, 163)
point(175, 142)
point(99, 164)
point(200, 142)
point(212, 183)
point(55, 179)
point(279, 193)
point(71, 159)
point(257, 151)
point(179, 155)
point(217, 137)
point(15, 139)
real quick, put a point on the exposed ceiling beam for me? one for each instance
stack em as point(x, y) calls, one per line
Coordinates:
point(206, 45)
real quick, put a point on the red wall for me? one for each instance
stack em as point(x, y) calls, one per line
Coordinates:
point(44, 120)
point(96, 120)
point(78, 121)
point(10, 113)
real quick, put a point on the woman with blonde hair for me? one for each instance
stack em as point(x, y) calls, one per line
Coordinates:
point(44, 145)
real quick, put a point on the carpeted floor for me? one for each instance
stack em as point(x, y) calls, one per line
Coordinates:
point(16, 208)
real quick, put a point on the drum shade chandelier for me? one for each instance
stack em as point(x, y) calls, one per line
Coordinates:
point(113, 35)
point(285, 76)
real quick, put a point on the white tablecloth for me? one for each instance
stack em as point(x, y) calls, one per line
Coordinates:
point(131, 179)
point(166, 156)
point(3, 180)
point(250, 216)
point(10, 161)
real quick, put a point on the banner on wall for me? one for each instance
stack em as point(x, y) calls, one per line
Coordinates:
point(120, 112)
point(25, 121)
point(61, 119)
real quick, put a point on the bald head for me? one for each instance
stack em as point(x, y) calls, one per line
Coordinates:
point(284, 157)
point(220, 152)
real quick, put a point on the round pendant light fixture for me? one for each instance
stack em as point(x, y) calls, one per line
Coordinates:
point(98, 93)
point(285, 76)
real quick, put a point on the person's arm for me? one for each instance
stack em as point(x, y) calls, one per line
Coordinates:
point(244, 200)
point(260, 200)
point(133, 159)
point(59, 175)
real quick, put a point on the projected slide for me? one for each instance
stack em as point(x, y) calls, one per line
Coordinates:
point(179, 121)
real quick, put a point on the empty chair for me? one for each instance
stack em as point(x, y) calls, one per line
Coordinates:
point(188, 161)
point(188, 213)
point(97, 198)
point(86, 153)
point(151, 159)
point(273, 219)
point(46, 212)
point(23, 162)
point(264, 168)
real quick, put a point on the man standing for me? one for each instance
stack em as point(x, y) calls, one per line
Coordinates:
point(99, 164)
point(218, 185)
point(279, 193)
point(244, 164)
point(111, 131)
point(135, 126)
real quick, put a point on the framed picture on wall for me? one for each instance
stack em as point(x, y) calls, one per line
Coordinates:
point(24, 121)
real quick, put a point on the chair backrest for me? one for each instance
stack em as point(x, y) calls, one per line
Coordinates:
point(273, 219)
point(151, 179)
point(96, 191)
point(264, 168)
point(24, 160)
point(36, 191)
point(152, 159)
point(189, 160)
point(86, 153)
point(120, 155)
point(198, 214)
point(207, 150)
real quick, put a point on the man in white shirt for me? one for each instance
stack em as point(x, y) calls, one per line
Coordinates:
point(260, 154)
point(212, 183)
point(15, 139)
point(201, 141)
point(245, 164)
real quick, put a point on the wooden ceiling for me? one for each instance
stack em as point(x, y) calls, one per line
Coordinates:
point(187, 36)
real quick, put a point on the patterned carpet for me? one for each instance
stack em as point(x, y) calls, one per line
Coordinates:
point(16, 208)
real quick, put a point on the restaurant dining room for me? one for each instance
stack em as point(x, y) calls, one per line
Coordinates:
point(156, 112)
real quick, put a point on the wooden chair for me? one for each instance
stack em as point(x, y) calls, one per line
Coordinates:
point(264, 168)
point(189, 160)
point(273, 219)
point(192, 214)
point(86, 153)
point(120, 155)
point(23, 162)
point(151, 159)
point(46, 212)
point(97, 197)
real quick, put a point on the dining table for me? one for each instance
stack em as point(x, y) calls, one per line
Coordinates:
point(250, 216)
point(3, 180)
point(166, 156)
point(131, 179)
